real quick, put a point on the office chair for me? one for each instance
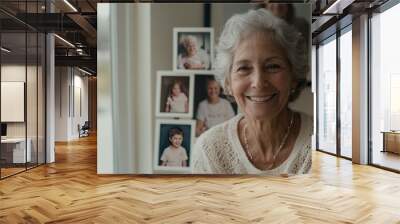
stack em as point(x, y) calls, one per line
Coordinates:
point(84, 130)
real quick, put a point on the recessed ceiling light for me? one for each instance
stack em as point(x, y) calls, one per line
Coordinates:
point(64, 40)
point(84, 71)
point(337, 7)
point(5, 50)
point(70, 5)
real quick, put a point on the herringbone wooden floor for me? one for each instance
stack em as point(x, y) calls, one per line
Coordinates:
point(70, 191)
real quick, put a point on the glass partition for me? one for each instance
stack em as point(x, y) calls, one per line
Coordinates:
point(13, 105)
point(22, 77)
point(346, 93)
point(327, 96)
point(385, 89)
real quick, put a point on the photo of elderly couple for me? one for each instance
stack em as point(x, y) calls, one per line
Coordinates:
point(262, 65)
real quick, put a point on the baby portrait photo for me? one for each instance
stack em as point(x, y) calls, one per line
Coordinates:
point(193, 49)
point(211, 106)
point(174, 94)
point(173, 148)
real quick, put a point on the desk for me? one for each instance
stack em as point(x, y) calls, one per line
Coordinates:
point(391, 141)
point(15, 148)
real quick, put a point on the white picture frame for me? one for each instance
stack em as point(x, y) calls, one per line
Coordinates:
point(204, 37)
point(163, 126)
point(165, 80)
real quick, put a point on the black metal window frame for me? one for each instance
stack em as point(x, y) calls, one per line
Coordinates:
point(334, 37)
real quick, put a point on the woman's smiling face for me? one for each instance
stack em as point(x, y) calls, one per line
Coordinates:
point(260, 77)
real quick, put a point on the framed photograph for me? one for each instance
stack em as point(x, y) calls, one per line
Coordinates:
point(210, 105)
point(174, 94)
point(193, 49)
point(173, 146)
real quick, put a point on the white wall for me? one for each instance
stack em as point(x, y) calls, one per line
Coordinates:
point(80, 84)
point(12, 73)
point(33, 126)
point(221, 12)
point(61, 104)
point(67, 81)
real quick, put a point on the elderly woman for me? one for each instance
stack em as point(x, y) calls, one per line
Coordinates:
point(192, 57)
point(262, 61)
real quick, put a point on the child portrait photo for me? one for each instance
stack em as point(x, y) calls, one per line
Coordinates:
point(174, 94)
point(173, 146)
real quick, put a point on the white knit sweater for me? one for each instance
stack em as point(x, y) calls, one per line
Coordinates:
point(219, 151)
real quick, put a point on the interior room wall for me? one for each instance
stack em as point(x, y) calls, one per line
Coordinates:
point(62, 80)
point(221, 12)
point(16, 73)
point(32, 128)
point(67, 115)
point(80, 109)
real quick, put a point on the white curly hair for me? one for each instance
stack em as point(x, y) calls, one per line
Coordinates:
point(261, 20)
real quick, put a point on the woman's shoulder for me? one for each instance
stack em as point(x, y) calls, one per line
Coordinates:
point(217, 137)
point(214, 135)
point(214, 150)
point(301, 162)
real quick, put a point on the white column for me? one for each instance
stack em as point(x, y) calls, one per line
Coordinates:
point(124, 89)
point(105, 146)
point(50, 99)
point(360, 90)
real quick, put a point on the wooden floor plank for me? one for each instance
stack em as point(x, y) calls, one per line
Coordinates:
point(70, 191)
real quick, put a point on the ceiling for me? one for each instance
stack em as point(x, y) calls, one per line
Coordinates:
point(75, 21)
